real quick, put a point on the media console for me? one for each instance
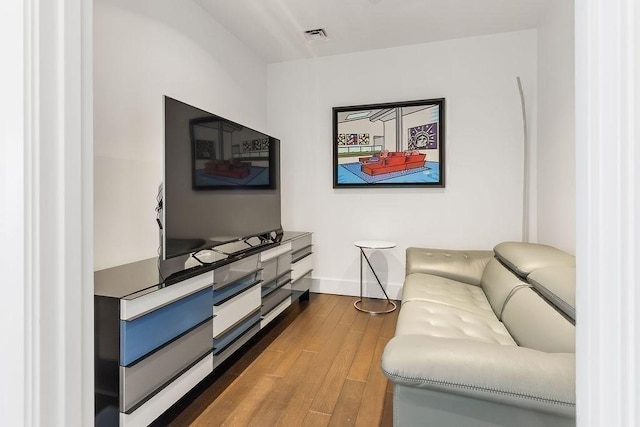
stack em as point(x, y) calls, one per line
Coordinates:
point(155, 342)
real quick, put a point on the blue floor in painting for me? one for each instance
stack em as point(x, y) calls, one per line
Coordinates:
point(350, 173)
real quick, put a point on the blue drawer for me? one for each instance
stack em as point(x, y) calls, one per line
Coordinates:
point(144, 334)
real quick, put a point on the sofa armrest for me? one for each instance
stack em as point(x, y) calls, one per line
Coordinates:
point(510, 375)
point(464, 266)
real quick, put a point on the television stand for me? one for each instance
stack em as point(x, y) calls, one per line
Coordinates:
point(156, 340)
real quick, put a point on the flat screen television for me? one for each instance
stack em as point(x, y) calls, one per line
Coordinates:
point(221, 181)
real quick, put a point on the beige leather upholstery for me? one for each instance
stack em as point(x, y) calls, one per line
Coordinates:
point(442, 321)
point(557, 284)
point(523, 258)
point(464, 266)
point(485, 341)
point(501, 374)
point(534, 323)
point(427, 408)
point(499, 283)
point(427, 287)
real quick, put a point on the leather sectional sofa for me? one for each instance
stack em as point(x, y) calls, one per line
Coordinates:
point(485, 338)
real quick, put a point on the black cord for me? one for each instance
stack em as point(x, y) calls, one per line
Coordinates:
point(159, 251)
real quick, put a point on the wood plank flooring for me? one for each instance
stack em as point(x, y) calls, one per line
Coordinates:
point(317, 365)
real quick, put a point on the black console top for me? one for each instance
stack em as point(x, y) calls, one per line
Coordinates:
point(142, 277)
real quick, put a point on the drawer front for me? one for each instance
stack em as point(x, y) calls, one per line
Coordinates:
point(271, 286)
point(144, 334)
point(229, 313)
point(160, 402)
point(301, 242)
point(274, 313)
point(231, 272)
point(302, 267)
point(224, 353)
point(131, 309)
point(284, 263)
point(275, 252)
point(275, 298)
point(233, 289)
point(150, 374)
point(269, 270)
point(301, 285)
point(221, 342)
point(304, 252)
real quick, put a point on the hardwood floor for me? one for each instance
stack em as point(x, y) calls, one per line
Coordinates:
point(318, 365)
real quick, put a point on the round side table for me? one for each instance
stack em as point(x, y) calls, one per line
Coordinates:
point(373, 244)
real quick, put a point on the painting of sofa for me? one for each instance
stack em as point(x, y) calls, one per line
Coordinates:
point(388, 145)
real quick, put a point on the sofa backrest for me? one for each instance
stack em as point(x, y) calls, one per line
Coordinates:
point(499, 283)
point(539, 312)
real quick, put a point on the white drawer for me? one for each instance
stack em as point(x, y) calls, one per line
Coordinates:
point(230, 312)
point(301, 267)
point(275, 252)
point(273, 313)
point(133, 308)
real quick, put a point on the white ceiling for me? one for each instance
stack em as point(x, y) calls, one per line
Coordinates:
point(273, 28)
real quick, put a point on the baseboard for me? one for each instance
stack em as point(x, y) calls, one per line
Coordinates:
point(352, 288)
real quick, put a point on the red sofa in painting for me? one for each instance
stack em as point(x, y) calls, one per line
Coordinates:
point(230, 168)
point(392, 161)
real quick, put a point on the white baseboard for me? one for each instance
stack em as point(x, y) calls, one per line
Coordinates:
point(352, 288)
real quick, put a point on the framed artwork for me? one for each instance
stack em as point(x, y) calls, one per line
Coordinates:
point(398, 144)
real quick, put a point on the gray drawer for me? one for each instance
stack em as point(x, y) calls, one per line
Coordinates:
point(229, 273)
point(143, 379)
point(276, 267)
point(220, 356)
point(275, 298)
point(301, 242)
point(302, 253)
point(269, 270)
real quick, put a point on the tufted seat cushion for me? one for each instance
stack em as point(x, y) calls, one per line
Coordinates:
point(443, 321)
point(442, 290)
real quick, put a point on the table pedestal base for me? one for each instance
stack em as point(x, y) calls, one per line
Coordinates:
point(390, 306)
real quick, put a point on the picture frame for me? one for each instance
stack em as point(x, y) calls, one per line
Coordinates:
point(396, 144)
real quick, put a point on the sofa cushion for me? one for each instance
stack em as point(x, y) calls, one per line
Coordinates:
point(427, 287)
point(558, 285)
point(510, 375)
point(463, 266)
point(523, 258)
point(439, 320)
point(534, 323)
point(499, 283)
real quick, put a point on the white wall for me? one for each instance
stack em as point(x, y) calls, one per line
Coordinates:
point(482, 202)
point(556, 131)
point(142, 51)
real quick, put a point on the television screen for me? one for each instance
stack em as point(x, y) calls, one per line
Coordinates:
point(221, 181)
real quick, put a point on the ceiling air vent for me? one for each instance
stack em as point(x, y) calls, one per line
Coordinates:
point(316, 35)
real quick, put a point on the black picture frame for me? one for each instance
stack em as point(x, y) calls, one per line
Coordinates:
point(396, 144)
